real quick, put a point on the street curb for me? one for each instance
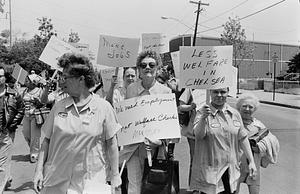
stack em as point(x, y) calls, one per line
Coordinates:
point(279, 104)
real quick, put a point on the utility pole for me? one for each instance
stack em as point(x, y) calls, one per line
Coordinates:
point(10, 28)
point(197, 18)
point(274, 60)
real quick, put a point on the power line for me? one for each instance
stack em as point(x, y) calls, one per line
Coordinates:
point(221, 26)
point(224, 12)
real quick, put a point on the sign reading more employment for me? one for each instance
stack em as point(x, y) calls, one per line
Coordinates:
point(54, 49)
point(204, 67)
point(155, 41)
point(160, 121)
point(117, 52)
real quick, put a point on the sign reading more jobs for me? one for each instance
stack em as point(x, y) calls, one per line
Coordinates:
point(117, 52)
point(205, 67)
point(160, 121)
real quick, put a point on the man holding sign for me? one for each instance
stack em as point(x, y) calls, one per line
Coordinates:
point(148, 63)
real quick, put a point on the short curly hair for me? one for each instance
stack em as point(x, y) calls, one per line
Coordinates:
point(247, 96)
point(79, 65)
point(151, 54)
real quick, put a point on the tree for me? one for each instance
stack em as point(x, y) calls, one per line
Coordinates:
point(4, 37)
point(233, 34)
point(294, 64)
point(73, 37)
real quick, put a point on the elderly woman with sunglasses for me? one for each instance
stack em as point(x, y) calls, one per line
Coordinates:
point(80, 132)
point(147, 64)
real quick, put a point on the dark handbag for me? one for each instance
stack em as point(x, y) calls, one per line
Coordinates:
point(162, 177)
point(184, 117)
point(258, 136)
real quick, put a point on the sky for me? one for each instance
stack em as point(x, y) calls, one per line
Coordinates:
point(131, 18)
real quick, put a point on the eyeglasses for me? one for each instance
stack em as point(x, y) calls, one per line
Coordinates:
point(65, 77)
point(144, 65)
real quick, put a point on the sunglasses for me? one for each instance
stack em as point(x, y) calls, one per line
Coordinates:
point(144, 65)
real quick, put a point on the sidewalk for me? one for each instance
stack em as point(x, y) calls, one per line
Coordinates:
point(281, 99)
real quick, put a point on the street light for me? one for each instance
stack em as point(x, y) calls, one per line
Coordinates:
point(177, 20)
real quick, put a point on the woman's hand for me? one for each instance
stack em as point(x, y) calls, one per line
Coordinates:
point(38, 181)
point(205, 111)
point(116, 182)
point(252, 170)
point(152, 142)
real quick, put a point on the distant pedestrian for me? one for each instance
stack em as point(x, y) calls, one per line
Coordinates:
point(31, 127)
point(247, 104)
point(219, 136)
point(79, 131)
point(117, 93)
point(11, 115)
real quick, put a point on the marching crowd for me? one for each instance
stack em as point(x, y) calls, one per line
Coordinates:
point(227, 145)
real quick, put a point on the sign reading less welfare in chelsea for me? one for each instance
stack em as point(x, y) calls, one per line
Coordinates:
point(205, 67)
point(151, 116)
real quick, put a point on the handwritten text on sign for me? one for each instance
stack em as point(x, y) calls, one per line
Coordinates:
point(154, 41)
point(117, 52)
point(205, 67)
point(152, 116)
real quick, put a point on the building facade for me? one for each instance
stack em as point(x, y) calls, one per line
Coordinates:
point(259, 66)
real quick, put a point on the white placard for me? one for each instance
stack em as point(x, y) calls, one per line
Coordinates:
point(152, 116)
point(175, 62)
point(19, 74)
point(106, 75)
point(155, 41)
point(54, 49)
point(117, 52)
point(205, 67)
point(82, 48)
point(232, 82)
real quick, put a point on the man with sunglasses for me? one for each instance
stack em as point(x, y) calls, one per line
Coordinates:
point(147, 63)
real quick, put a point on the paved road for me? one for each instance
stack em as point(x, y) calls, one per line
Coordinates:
point(282, 178)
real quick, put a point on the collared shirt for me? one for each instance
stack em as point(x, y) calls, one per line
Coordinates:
point(217, 149)
point(133, 90)
point(28, 98)
point(77, 142)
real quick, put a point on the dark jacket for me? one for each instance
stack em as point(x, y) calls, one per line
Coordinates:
point(12, 110)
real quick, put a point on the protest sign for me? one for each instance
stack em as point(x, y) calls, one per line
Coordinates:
point(232, 81)
point(155, 41)
point(19, 74)
point(81, 48)
point(54, 49)
point(199, 97)
point(106, 75)
point(151, 116)
point(205, 67)
point(175, 62)
point(117, 52)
